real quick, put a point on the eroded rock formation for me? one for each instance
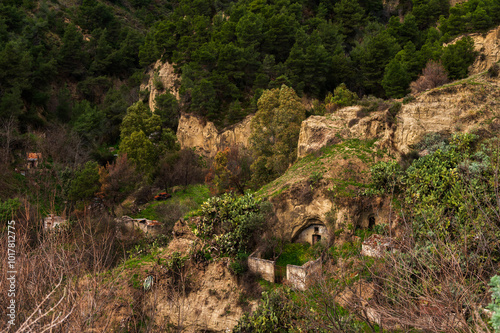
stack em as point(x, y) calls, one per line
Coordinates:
point(162, 78)
point(194, 131)
point(488, 47)
point(456, 107)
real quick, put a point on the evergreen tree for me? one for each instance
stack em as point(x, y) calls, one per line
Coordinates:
point(350, 15)
point(458, 57)
point(203, 99)
point(72, 59)
point(249, 30)
point(396, 80)
point(279, 36)
point(275, 133)
point(408, 57)
point(372, 56)
point(480, 19)
point(85, 183)
point(167, 108)
point(140, 151)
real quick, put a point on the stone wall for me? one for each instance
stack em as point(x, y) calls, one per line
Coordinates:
point(150, 228)
point(300, 276)
point(263, 267)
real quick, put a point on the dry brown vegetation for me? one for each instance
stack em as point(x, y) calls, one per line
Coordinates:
point(433, 75)
point(59, 281)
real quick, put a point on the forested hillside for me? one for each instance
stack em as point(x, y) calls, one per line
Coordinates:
point(72, 68)
point(82, 61)
point(361, 120)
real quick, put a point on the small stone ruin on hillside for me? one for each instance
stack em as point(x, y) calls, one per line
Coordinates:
point(297, 276)
point(149, 227)
point(376, 245)
point(53, 221)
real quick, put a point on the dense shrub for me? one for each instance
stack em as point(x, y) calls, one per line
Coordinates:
point(8, 209)
point(274, 314)
point(228, 223)
point(275, 133)
point(230, 170)
point(386, 177)
point(341, 97)
point(458, 57)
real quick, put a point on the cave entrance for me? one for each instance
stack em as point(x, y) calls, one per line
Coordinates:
point(371, 222)
point(316, 239)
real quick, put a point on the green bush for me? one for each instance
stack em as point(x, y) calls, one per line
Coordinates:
point(8, 209)
point(227, 223)
point(386, 177)
point(458, 57)
point(239, 265)
point(341, 96)
point(295, 254)
point(408, 99)
point(495, 302)
point(274, 314)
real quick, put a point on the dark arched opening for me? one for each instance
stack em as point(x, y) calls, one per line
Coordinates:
point(371, 222)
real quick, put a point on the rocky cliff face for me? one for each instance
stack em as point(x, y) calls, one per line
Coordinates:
point(162, 78)
point(488, 47)
point(300, 200)
point(193, 131)
point(466, 105)
point(350, 122)
point(471, 105)
point(295, 211)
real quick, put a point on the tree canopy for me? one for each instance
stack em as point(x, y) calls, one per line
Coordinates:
point(275, 133)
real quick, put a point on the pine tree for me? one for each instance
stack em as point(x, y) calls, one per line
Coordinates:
point(458, 57)
point(396, 80)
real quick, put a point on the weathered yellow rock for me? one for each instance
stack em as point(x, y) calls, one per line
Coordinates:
point(194, 131)
point(349, 122)
point(457, 107)
point(164, 73)
point(488, 46)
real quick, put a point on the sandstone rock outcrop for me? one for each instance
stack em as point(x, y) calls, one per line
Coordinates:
point(461, 106)
point(193, 131)
point(488, 47)
point(471, 105)
point(349, 122)
point(296, 211)
point(166, 79)
point(212, 306)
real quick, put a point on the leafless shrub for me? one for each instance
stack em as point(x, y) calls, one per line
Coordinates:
point(170, 212)
point(431, 290)
point(64, 146)
point(59, 280)
point(180, 168)
point(118, 180)
point(322, 306)
point(437, 284)
point(433, 75)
